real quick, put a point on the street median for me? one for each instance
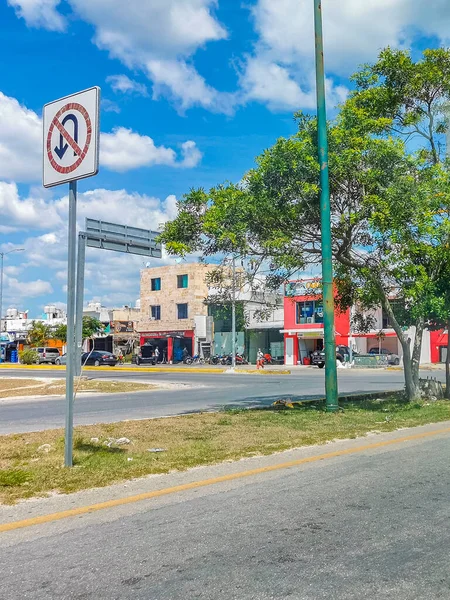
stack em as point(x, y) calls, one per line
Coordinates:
point(32, 463)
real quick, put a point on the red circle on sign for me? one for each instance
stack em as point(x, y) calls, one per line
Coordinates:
point(84, 150)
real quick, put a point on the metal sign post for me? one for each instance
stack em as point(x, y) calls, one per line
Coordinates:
point(71, 149)
point(81, 260)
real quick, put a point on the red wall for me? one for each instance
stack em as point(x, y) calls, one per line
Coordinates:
point(342, 320)
point(437, 339)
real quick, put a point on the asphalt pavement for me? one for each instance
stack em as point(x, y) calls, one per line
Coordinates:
point(197, 392)
point(372, 523)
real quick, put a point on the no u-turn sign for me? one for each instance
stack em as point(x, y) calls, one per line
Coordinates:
point(71, 132)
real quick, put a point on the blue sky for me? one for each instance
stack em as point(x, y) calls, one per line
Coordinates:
point(192, 91)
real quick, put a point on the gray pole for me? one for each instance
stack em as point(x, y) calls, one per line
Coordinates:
point(70, 322)
point(233, 317)
point(79, 300)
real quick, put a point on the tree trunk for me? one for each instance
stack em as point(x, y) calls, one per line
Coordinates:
point(411, 387)
point(447, 364)
point(417, 349)
point(410, 364)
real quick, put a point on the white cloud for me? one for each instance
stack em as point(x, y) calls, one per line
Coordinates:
point(191, 154)
point(181, 81)
point(20, 141)
point(30, 213)
point(125, 85)
point(113, 276)
point(268, 82)
point(21, 155)
point(109, 106)
point(124, 149)
point(354, 32)
point(40, 13)
point(26, 289)
point(137, 29)
point(158, 36)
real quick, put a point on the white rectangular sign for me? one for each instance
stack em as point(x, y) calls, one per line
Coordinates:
point(71, 137)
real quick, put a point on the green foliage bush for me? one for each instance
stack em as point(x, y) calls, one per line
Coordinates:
point(28, 357)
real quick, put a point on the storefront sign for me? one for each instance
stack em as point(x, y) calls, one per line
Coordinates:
point(122, 326)
point(158, 334)
point(303, 288)
point(311, 335)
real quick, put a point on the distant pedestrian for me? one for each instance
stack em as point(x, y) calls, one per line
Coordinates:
point(260, 359)
point(157, 354)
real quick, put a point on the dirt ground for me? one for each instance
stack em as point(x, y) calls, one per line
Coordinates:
point(13, 387)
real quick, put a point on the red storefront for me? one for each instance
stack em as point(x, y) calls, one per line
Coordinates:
point(303, 321)
point(170, 343)
point(438, 343)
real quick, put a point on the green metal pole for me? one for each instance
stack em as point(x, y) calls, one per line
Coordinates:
point(331, 388)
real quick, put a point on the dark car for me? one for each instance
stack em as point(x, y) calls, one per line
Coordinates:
point(98, 358)
point(342, 354)
point(392, 358)
point(146, 355)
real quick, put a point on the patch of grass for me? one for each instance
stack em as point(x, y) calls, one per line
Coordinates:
point(31, 387)
point(189, 441)
point(13, 477)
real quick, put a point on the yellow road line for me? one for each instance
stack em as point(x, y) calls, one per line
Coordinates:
point(82, 510)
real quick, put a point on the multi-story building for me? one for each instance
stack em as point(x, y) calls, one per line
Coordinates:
point(172, 306)
point(184, 306)
point(304, 330)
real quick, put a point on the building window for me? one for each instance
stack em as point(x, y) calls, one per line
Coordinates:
point(309, 311)
point(156, 284)
point(182, 281)
point(155, 313)
point(182, 311)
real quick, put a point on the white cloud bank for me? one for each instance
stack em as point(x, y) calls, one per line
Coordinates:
point(121, 150)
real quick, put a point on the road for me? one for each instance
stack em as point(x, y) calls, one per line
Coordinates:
point(372, 524)
point(207, 392)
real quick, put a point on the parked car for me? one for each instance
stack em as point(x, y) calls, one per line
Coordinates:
point(98, 358)
point(146, 355)
point(61, 360)
point(318, 357)
point(392, 358)
point(47, 355)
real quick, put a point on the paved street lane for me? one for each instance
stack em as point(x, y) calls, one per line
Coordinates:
point(206, 392)
point(373, 524)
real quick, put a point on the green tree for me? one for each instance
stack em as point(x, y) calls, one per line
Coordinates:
point(389, 219)
point(91, 326)
point(39, 334)
point(60, 332)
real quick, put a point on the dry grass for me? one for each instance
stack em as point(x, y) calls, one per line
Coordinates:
point(189, 441)
point(31, 387)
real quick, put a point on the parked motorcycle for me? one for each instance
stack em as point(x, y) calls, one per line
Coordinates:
point(267, 359)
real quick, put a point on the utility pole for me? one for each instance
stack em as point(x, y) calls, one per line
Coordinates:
point(331, 387)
